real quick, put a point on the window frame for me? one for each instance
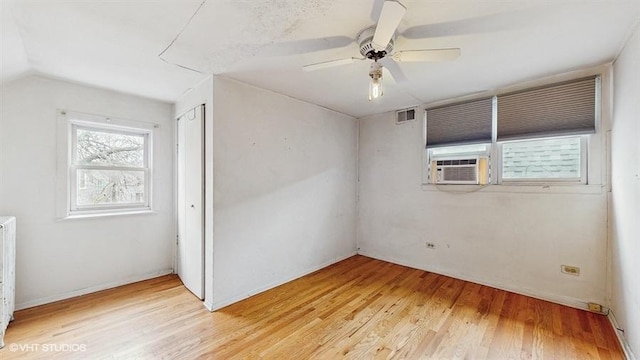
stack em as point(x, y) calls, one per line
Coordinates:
point(67, 184)
point(584, 145)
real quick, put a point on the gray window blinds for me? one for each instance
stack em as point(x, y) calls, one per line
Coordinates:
point(565, 108)
point(462, 123)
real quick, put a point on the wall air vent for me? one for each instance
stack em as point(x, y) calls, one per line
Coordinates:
point(403, 116)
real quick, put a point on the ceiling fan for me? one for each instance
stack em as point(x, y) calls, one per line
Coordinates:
point(377, 43)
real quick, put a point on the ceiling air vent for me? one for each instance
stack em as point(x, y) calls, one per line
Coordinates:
point(403, 116)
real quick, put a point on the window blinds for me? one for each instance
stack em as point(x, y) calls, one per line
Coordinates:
point(565, 108)
point(462, 123)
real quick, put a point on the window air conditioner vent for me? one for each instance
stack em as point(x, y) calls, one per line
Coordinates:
point(458, 162)
point(459, 171)
point(403, 116)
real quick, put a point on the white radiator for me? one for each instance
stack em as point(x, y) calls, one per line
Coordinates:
point(7, 272)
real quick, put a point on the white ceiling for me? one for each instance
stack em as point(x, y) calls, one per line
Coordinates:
point(115, 44)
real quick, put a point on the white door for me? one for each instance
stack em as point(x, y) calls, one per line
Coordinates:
point(190, 249)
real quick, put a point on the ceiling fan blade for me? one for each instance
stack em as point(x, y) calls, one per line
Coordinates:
point(428, 55)
point(331, 63)
point(376, 10)
point(394, 69)
point(392, 13)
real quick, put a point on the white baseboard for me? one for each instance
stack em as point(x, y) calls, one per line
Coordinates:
point(226, 302)
point(558, 299)
point(91, 289)
point(626, 348)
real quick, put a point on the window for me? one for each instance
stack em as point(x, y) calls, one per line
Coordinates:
point(538, 115)
point(458, 141)
point(539, 134)
point(109, 167)
point(550, 159)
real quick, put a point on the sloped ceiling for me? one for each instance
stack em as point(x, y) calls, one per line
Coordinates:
point(116, 44)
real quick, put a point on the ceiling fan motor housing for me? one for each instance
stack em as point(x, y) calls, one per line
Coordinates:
point(366, 47)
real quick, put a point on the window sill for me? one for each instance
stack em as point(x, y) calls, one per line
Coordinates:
point(108, 214)
point(514, 188)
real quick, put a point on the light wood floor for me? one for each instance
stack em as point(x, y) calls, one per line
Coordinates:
point(358, 308)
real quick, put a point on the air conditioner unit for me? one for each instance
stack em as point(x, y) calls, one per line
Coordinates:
point(473, 170)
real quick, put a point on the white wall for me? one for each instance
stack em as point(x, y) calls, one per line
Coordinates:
point(625, 169)
point(498, 235)
point(284, 189)
point(61, 258)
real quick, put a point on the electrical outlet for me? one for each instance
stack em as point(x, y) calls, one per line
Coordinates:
point(595, 307)
point(571, 270)
point(431, 245)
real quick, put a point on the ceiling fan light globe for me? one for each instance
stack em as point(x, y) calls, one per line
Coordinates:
point(375, 88)
point(376, 91)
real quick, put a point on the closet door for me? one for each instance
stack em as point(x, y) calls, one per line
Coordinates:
point(190, 249)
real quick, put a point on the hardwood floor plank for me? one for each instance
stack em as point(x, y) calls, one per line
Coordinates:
point(359, 308)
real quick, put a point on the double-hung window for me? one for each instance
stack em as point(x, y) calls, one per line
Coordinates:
point(109, 167)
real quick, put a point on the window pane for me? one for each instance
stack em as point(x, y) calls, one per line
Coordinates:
point(109, 187)
point(557, 158)
point(96, 147)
